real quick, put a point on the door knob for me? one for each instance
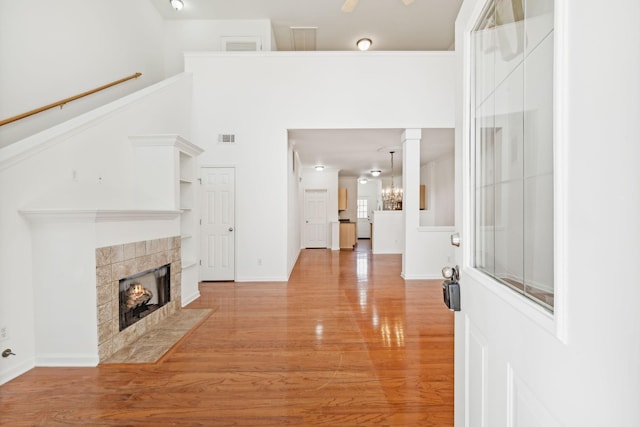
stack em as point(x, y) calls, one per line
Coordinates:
point(8, 353)
point(230, 228)
point(451, 273)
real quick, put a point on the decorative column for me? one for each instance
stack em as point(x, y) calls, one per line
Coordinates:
point(411, 199)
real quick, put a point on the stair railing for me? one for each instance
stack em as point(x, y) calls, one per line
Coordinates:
point(67, 100)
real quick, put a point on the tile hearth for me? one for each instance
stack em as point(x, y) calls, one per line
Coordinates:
point(160, 338)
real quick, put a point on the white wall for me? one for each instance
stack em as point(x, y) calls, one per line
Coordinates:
point(258, 97)
point(388, 232)
point(85, 163)
point(439, 177)
point(207, 35)
point(295, 205)
point(53, 50)
point(434, 251)
point(427, 215)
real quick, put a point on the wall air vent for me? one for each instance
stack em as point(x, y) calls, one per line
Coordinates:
point(226, 138)
point(241, 47)
point(241, 44)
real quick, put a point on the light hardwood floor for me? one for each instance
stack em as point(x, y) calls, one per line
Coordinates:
point(345, 342)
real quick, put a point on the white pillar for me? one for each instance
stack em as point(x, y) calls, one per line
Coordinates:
point(411, 199)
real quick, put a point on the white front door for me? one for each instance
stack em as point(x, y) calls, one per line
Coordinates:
point(549, 332)
point(218, 224)
point(315, 218)
point(510, 322)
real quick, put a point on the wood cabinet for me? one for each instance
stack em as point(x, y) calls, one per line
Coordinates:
point(348, 238)
point(423, 197)
point(342, 199)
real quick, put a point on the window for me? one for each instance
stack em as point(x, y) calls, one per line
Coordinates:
point(512, 145)
point(363, 210)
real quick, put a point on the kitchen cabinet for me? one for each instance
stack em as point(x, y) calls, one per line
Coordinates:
point(348, 238)
point(342, 199)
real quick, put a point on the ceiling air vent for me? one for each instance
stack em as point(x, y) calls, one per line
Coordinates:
point(226, 138)
point(303, 38)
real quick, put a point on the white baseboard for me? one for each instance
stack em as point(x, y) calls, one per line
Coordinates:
point(67, 360)
point(262, 279)
point(186, 300)
point(17, 370)
point(422, 277)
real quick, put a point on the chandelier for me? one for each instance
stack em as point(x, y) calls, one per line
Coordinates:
point(392, 196)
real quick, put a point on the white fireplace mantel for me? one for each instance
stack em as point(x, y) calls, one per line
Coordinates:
point(64, 243)
point(98, 215)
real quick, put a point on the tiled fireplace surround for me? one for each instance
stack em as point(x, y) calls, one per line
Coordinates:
point(118, 261)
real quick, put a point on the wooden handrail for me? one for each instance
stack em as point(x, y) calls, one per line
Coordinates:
point(66, 100)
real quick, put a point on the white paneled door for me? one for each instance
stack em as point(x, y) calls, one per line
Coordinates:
point(315, 218)
point(510, 356)
point(218, 224)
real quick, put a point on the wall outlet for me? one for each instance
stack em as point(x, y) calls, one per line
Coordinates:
point(4, 333)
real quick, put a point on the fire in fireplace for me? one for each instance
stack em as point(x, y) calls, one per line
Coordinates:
point(143, 293)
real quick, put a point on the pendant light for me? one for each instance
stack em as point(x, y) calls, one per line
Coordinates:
point(392, 196)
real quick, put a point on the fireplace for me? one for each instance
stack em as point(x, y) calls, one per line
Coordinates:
point(136, 262)
point(142, 294)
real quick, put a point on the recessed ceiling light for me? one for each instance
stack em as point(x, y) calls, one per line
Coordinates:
point(364, 44)
point(177, 4)
point(319, 168)
point(375, 173)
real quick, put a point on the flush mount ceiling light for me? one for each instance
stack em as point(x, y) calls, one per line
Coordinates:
point(177, 4)
point(364, 44)
point(363, 180)
point(319, 168)
point(375, 173)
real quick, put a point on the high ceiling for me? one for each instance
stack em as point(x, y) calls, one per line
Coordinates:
point(392, 26)
point(421, 25)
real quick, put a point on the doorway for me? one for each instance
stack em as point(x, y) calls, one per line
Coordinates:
point(367, 202)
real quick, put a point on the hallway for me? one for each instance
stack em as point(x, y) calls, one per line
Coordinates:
point(345, 342)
